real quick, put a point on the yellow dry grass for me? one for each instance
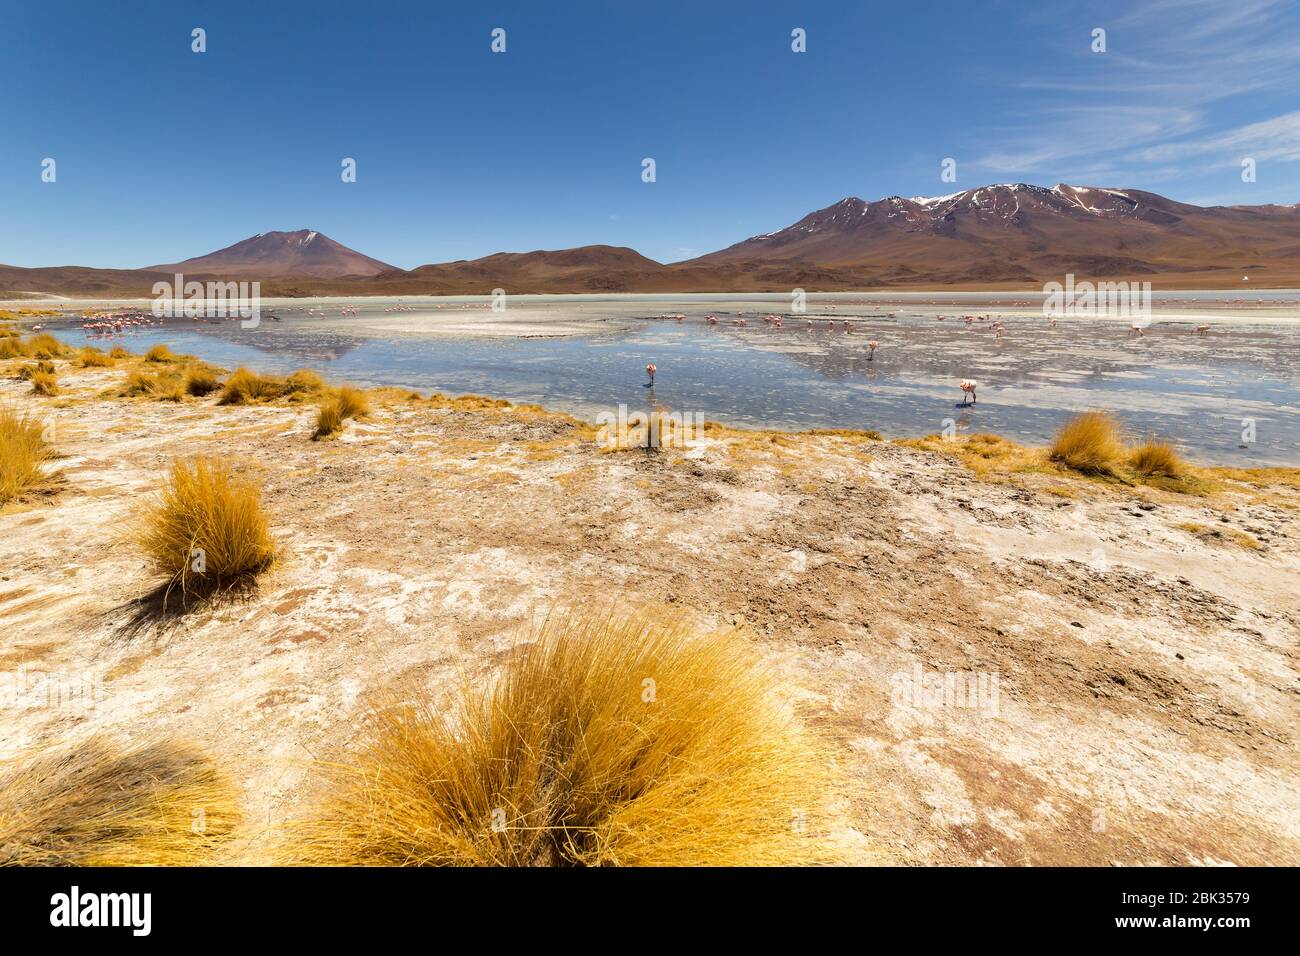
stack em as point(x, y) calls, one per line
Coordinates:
point(162, 354)
point(303, 382)
point(329, 419)
point(41, 346)
point(205, 530)
point(45, 383)
point(23, 454)
point(1089, 443)
point(91, 357)
point(353, 402)
point(983, 453)
point(1156, 458)
point(609, 740)
point(97, 804)
point(244, 387)
point(348, 403)
point(200, 381)
point(166, 385)
point(25, 373)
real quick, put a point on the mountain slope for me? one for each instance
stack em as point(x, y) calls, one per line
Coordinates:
point(1019, 232)
point(271, 254)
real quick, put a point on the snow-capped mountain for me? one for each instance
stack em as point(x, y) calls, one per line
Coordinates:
point(1017, 231)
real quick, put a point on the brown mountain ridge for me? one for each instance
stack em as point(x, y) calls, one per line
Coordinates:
point(1006, 236)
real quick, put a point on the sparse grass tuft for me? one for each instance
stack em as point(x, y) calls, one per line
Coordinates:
point(1157, 459)
point(205, 531)
point(1089, 443)
point(45, 383)
point(608, 741)
point(118, 352)
point(96, 804)
point(23, 454)
point(983, 453)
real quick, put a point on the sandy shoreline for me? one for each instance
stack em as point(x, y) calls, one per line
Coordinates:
point(580, 314)
point(1146, 660)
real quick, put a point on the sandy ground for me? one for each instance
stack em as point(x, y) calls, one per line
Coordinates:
point(1133, 666)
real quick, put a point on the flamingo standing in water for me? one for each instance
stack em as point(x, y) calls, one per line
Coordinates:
point(650, 370)
point(872, 345)
point(968, 386)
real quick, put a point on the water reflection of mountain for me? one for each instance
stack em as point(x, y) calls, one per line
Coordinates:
point(305, 344)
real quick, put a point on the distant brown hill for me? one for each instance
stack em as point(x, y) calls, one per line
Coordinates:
point(1009, 236)
point(273, 254)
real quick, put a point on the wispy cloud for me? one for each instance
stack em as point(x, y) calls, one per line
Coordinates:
point(1184, 86)
point(1271, 139)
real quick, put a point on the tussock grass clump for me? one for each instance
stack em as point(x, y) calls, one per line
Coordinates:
point(27, 372)
point(244, 387)
point(162, 354)
point(23, 454)
point(200, 382)
point(353, 402)
point(96, 804)
point(329, 419)
point(140, 383)
point(607, 741)
point(1158, 459)
point(45, 383)
point(41, 346)
point(91, 357)
point(205, 531)
point(45, 346)
point(348, 403)
point(151, 386)
point(118, 352)
point(1089, 443)
point(304, 382)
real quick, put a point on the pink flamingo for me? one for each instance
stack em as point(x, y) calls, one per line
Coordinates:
point(650, 370)
point(968, 386)
point(872, 345)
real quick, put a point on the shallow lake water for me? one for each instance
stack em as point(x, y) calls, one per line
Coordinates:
point(587, 354)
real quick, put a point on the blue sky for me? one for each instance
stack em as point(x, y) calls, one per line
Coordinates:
point(163, 153)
